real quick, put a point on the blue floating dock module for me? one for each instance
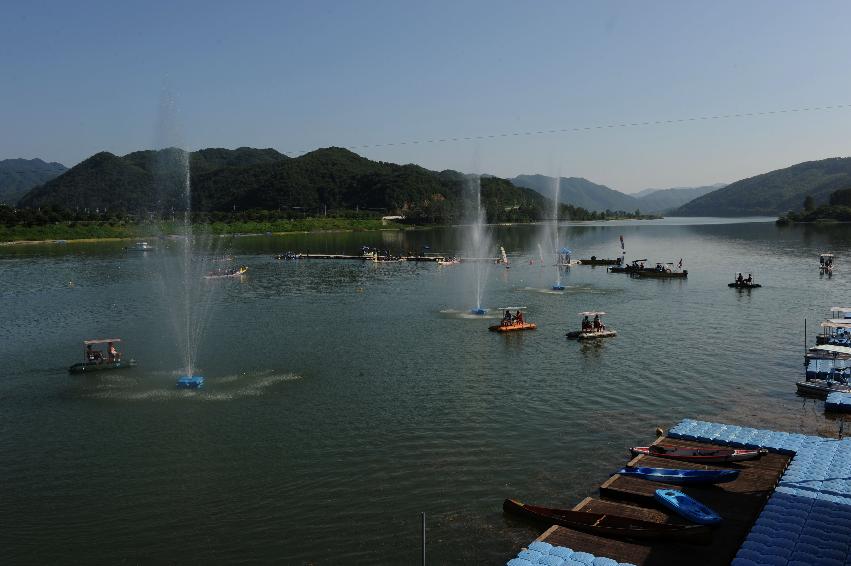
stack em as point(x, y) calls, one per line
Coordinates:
point(190, 382)
point(479, 311)
point(837, 401)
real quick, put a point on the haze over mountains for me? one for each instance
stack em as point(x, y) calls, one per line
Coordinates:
point(584, 193)
point(17, 176)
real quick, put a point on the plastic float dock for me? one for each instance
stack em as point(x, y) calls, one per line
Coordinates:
point(838, 402)
point(792, 507)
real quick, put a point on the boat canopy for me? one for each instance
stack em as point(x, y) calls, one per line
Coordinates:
point(837, 323)
point(591, 313)
point(828, 254)
point(833, 349)
point(843, 310)
point(101, 341)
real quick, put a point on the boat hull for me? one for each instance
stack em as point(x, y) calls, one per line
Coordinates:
point(744, 285)
point(90, 367)
point(701, 455)
point(687, 507)
point(652, 273)
point(599, 262)
point(820, 388)
point(513, 327)
point(680, 477)
point(608, 525)
point(580, 335)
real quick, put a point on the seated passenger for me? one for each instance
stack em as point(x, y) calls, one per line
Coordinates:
point(518, 318)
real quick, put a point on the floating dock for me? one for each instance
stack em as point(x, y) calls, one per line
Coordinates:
point(792, 507)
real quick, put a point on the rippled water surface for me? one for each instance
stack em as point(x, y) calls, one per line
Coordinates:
point(344, 398)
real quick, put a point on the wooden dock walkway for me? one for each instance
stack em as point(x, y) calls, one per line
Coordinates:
point(738, 502)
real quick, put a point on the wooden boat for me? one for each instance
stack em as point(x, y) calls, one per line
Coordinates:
point(513, 327)
point(588, 331)
point(687, 507)
point(94, 360)
point(594, 260)
point(604, 524)
point(680, 477)
point(661, 271)
point(698, 455)
point(821, 387)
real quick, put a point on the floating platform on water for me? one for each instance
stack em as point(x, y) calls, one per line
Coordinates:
point(190, 382)
point(739, 502)
point(838, 402)
point(590, 334)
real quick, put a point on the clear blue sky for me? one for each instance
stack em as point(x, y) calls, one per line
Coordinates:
point(82, 77)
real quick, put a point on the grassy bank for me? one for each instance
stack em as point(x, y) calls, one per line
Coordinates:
point(108, 230)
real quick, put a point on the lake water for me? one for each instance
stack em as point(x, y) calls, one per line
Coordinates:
point(345, 398)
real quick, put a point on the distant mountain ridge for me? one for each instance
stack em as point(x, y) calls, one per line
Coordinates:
point(17, 176)
point(775, 192)
point(592, 196)
point(245, 179)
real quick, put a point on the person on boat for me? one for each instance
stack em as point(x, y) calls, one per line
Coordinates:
point(597, 324)
point(749, 280)
point(506, 319)
point(112, 354)
point(92, 355)
point(518, 318)
point(586, 323)
point(739, 279)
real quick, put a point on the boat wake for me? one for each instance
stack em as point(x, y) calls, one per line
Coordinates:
point(222, 388)
point(453, 313)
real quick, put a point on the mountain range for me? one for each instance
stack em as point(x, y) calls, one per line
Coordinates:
point(17, 176)
point(246, 178)
point(776, 192)
point(582, 192)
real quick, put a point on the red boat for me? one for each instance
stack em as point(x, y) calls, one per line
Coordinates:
point(605, 524)
point(699, 455)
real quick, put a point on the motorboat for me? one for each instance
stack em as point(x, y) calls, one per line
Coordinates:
point(140, 247)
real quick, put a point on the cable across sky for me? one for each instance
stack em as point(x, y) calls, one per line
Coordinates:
point(575, 129)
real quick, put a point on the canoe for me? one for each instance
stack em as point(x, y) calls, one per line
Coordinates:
point(680, 477)
point(605, 524)
point(89, 367)
point(703, 455)
point(512, 327)
point(583, 335)
point(687, 507)
point(821, 387)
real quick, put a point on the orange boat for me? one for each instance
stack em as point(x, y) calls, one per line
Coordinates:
point(513, 326)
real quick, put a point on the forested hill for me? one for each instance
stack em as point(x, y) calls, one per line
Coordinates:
point(776, 192)
point(326, 179)
point(17, 176)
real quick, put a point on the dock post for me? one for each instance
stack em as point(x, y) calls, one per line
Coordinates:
point(805, 336)
point(424, 537)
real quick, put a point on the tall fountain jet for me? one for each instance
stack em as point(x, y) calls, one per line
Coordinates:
point(556, 205)
point(479, 247)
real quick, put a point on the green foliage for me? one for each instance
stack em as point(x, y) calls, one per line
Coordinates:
point(775, 192)
point(809, 203)
point(840, 198)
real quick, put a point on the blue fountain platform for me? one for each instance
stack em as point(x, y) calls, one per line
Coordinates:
point(479, 311)
point(190, 382)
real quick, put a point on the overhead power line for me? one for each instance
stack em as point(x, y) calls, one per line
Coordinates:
point(573, 129)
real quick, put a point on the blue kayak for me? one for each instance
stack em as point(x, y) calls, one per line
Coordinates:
point(680, 477)
point(687, 507)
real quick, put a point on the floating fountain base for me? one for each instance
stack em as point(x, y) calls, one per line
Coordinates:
point(479, 311)
point(558, 287)
point(190, 382)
